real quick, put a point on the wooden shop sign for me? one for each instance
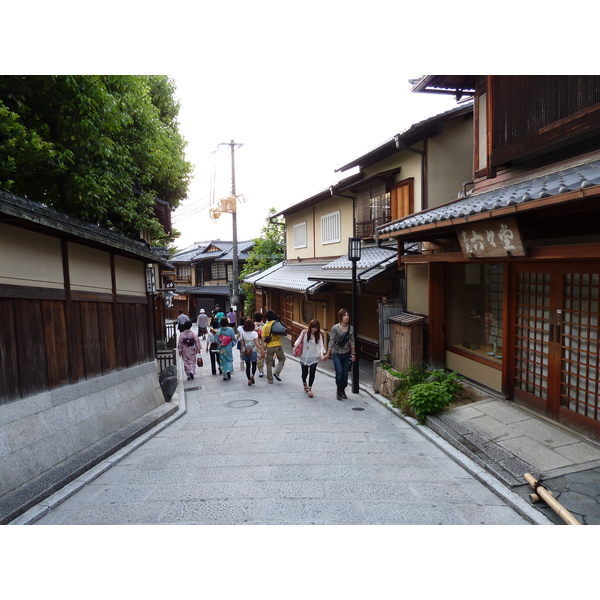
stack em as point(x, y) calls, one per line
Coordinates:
point(490, 239)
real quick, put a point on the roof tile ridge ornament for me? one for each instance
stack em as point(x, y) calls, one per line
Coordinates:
point(562, 187)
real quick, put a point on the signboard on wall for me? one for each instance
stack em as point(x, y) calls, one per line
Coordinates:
point(150, 280)
point(491, 239)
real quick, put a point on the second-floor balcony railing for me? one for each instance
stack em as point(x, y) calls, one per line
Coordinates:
point(367, 228)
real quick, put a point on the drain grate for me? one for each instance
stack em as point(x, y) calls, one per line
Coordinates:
point(358, 409)
point(192, 389)
point(241, 403)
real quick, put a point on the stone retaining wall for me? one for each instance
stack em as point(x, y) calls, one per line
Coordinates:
point(42, 431)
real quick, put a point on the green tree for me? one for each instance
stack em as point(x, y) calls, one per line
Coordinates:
point(268, 250)
point(100, 148)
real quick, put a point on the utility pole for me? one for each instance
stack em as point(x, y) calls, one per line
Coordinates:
point(235, 293)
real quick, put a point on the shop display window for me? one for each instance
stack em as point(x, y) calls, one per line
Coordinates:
point(475, 310)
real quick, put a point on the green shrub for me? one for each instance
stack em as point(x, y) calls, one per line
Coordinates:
point(427, 399)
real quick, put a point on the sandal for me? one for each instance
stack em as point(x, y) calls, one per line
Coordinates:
point(310, 394)
point(306, 388)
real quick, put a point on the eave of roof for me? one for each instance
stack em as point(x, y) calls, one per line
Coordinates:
point(557, 184)
point(23, 210)
point(291, 277)
point(408, 137)
point(445, 84)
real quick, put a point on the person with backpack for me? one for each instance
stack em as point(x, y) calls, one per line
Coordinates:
point(212, 347)
point(226, 342)
point(341, 349)
point(271, 334)
point(309, 349)
point(251, 346)
point(188, 346)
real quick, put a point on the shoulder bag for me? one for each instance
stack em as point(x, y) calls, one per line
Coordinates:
point(298, 349)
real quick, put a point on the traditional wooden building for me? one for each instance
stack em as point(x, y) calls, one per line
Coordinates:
point(408, 172)
point(508, 273)
point(77, 347)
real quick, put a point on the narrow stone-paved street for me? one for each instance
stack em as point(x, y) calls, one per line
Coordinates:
point(269, 454)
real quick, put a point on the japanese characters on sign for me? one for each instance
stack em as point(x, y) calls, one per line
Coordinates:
point(498, 238)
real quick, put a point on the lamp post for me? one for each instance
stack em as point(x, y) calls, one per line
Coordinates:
point(354, 248)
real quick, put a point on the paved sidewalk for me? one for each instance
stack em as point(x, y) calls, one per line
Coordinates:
point(268, 454)
point(509, 441)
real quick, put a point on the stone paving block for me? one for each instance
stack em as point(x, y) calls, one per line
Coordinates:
point(405, 513)
point(539, 456)
point(579, 452)
point(492, 429)
point(370, 490)
point(546, 433)
point(503, 411)
point(486, 515)
point(308, 511)
point(464, 413)
point(210, 511)
point(281, 489)
point(441, 493)
point(292, 473)
point(223, 474)
point(140, 513)
point(187, 492)
point(343, 472)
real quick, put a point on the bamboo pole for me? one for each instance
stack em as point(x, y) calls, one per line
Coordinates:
point(550, 500)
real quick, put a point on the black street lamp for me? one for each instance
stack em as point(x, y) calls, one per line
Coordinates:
point(354, 248)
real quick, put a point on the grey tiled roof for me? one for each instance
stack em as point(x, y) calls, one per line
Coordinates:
point(217, 290)
point(544, 185)
point(198, 251)
point(373, 262)
point(292, 277)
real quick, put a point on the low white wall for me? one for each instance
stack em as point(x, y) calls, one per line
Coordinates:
point(39, 432)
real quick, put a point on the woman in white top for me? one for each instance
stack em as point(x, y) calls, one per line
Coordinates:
point(312, 350)
point(250, 347)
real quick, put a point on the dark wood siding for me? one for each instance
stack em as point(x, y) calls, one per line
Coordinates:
point(40, 350)
point(530, 113)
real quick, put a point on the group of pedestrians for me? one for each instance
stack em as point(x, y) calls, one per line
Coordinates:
point(259, 344)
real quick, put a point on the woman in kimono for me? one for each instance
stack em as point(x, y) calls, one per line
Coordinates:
point(226, 347)
point(188, 346)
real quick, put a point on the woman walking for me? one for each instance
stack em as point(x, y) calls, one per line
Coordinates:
point(188, 346)
point(311, 340)
point(212, 347)
point(341, 350)
point(226, 340)
point(251, 346)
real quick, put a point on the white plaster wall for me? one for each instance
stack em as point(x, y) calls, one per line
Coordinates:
point(417, 289)
point(450, 161)
point(130, 276)
point(30, 259)
point(89, 269)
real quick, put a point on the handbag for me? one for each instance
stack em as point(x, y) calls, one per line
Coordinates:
point(248, 350)
point(278, 328)
point(200, 362)
point(300, 346)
